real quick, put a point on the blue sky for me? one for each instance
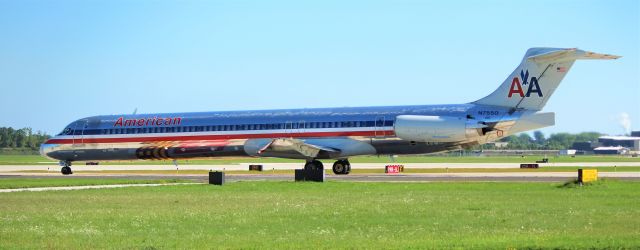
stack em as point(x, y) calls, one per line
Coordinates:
point(63, 60)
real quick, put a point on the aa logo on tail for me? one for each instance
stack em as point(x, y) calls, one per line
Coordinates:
point(516, 87)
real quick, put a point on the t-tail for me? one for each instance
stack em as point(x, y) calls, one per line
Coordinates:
point(533, 82)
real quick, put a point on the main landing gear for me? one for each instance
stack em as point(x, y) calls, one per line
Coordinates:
point(341, 167)
point(313, 165)
point(66, 167)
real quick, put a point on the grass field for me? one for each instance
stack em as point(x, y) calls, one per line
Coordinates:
point(39, 160)
point(38, 182)
point(326, 215)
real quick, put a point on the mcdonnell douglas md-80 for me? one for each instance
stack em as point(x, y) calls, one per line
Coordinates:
point(325, 133)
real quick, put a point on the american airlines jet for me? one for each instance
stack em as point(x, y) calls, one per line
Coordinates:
point(325, 133)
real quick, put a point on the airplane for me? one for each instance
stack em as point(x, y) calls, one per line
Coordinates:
point(325, 133)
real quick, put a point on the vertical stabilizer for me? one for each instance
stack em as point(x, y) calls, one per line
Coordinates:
point(533, 82)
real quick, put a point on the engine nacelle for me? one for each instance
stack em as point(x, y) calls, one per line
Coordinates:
point(434, 128)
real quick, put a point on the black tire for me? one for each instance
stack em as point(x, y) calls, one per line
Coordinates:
point(309, 166)
point(66, 170)
point(318, 165)
point(348, 166)
point(313, 165)
point(339, 167)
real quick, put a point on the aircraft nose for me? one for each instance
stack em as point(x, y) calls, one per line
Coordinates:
point(45, 149)
point(42, 147)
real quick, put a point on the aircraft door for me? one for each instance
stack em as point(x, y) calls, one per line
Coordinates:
point(379, 129)
point(288, 127)
point(294, 128)
point(301, 126)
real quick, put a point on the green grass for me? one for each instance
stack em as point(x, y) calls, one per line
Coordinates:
point(51, 182)
point(326, 215)
point(39, 160)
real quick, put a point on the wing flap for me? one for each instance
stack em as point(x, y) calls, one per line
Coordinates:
point(305, 149)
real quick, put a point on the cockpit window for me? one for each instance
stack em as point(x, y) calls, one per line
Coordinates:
point(66, 131)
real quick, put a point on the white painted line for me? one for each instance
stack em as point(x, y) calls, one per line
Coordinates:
point(39, 189)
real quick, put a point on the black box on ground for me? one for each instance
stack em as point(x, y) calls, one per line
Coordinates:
point(529, 165)
point(255, 167)
point(299, 175)
point(309, 175)
point(544, 160)
point(216, 178)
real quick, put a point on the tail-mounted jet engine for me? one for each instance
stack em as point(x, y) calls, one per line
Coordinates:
point(437, 128)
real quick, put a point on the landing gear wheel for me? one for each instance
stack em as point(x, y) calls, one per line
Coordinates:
point(341, 167)
point(313, 165)
point(66, 170)
point(346, 162)
point(66, 167)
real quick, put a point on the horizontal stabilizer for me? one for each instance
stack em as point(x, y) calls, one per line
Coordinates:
point(533, 121)
point(569, 55)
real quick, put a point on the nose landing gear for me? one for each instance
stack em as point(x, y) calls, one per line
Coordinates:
point(66, 167)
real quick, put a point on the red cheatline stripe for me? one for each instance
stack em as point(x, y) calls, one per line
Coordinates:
point(218, 137)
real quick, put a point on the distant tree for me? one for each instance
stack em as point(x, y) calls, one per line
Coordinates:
point(539, 137)
point(561, 140)
point(587, 136)
point(21, 138)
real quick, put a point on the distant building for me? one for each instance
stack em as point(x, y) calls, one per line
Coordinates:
point(611, 150)
point(635, 133)
point(500, 144)
point(567, 152)
point(585, 146)
point(630, 142)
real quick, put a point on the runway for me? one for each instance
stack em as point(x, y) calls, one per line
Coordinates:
point(241, 173)
point(413, 177)
point(292, 166)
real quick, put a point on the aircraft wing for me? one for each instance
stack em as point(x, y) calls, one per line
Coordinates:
point(306, 149)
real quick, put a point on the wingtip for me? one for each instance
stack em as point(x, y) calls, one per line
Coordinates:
point(593, 55)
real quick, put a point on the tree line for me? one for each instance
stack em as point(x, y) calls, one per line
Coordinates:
point(21, 138)
point(539, 141)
